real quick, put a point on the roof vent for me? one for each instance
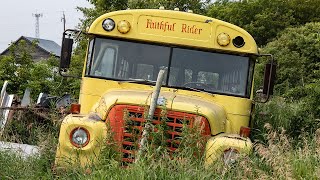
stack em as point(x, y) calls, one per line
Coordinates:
point(161, 7)
point(176, 9)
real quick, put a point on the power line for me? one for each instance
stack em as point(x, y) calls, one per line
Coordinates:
point(37, 31)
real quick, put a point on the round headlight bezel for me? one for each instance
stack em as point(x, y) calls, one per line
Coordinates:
point(108, 24)
point(79, 130)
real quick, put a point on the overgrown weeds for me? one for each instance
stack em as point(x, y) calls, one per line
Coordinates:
point(277, 159)
point(32, 126)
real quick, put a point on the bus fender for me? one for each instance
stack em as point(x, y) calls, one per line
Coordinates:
point(67, 153)
point(218, 145)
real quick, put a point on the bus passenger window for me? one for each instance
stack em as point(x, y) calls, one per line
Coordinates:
point(144, 71)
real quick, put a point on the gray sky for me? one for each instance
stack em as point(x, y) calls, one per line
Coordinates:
point(16, 18)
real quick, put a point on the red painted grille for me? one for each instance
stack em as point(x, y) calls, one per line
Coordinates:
point(127, 123)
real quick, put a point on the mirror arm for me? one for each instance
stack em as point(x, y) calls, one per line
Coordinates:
point(67, 76)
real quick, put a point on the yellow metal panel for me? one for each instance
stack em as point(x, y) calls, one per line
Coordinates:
point(175, 27)
point(235, 122)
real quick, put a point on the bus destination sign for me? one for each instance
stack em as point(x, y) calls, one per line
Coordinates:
point(175, 28)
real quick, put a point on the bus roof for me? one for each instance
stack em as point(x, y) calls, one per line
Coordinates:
point(178, 28)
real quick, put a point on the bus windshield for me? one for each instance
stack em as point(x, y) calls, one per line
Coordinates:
point(186, 68)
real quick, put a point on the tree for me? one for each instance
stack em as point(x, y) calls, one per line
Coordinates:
point(296, 51)
point(264, 19)
point(15, 67)
point(22, 72)
point(197, 6)
point(100, 7)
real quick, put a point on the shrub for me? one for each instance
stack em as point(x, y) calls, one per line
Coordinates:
point(295, 117)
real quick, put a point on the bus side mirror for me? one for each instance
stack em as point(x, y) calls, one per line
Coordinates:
point(269, 78)
point(66, 52)
point(69, 37)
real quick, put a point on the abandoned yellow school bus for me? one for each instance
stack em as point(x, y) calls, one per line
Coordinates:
point(207, 70)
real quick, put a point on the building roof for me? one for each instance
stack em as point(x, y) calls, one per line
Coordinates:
point(46, 45)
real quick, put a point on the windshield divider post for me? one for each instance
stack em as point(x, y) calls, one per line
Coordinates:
point(169, 66)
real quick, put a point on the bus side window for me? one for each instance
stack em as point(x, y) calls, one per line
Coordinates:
point(108, 62)
point(89, 56)
point(105, 63)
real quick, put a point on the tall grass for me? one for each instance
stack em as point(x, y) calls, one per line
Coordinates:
point(278, 154)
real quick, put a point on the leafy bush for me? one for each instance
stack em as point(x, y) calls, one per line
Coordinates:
point(295, 117)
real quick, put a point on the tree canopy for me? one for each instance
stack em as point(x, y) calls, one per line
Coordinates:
point(297, 53)
point(264, 19)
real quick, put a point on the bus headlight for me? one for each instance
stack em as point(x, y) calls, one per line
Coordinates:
point(108, 24)
point(230, 156)
point(223, 39)
point(123, 26)
point(79, 137)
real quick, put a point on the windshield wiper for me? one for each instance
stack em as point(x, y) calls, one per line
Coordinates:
point(132, 80)
point(144, 81)
point(194, 89)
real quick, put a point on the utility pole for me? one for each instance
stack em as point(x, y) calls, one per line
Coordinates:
point(37, 16)
point(63, 20)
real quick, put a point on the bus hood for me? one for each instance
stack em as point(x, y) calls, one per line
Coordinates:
point(173, 101)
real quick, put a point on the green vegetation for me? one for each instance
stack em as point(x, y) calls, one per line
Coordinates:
point(19, 69)
point(264, 19)
point(278, 156)
point(286, 129)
